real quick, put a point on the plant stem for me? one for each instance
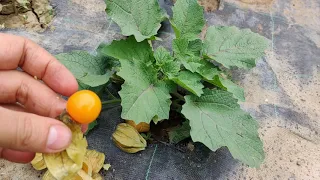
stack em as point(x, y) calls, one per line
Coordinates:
point(111, 101)
point(179, 96)
point(176, 105)
point(116, 79)
point(110, 94)
point(14, 7)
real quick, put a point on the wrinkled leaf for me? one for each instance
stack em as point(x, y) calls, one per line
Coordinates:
point(97, 176)
point(231, 46)
point(128, 139)
point(217, 120)
point(162, 56)
point(180, 47)
point(38, 162)
point(229, 86)
point(48, 176)
point(195, 47)
point(140, 18)
point(95, 160)
point(74, 163)
point(98, 90)
point(87, 167)
point(192, 63)
point(144, 99)
point(87, 69)
point(166, 62)
point(78, 147)
point(61, 166)
point(187, 53)
point(82, 175)
point(189, 81)
point(207, 70)
point(128, 49)
point(188, 19)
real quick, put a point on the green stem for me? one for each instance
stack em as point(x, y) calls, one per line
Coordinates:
point(110, 94)
point(116, 79)
point(176, 106)
point(179, 96)
point(111, 101)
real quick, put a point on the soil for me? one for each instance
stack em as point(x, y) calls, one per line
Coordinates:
point(254, 5)
point(257, 1)
point(208, 5)
point(34, 15)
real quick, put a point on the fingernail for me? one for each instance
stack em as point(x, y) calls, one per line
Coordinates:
point(59, 137)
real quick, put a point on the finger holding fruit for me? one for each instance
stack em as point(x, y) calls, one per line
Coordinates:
point(27, 106)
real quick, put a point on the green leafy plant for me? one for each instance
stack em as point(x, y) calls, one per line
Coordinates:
point(191, 79)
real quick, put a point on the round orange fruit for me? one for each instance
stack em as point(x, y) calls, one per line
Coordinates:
point(84, 106)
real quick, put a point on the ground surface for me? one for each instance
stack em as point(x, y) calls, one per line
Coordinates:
point(282, 92)
point(32, 15)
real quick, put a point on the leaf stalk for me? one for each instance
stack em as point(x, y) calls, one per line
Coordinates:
point(113, 101)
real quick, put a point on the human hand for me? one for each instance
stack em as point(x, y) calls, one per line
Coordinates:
point(29, 125)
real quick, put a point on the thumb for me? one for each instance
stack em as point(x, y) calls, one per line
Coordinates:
point(29, 132)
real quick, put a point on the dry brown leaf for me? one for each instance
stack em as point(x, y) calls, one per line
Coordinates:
point(95, 159)
point(48, 176)
point(97, 176)
point(76, 162)
point(106, 167)
point(38, 162)
point(78, 147)
point(128, 139)
point(61, 166)
point(82, 175)
point(87, 168)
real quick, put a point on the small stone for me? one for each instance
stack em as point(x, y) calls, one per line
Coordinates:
point(190, 146)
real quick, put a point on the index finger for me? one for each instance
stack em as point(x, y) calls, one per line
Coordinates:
point(20, 52)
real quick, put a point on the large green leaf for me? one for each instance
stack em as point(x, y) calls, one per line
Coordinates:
point(140, 18)
point(127, 49)
point(188, 19)
point(143, 96)
point(88, 69)
point(99, 90)
point(231, 46)
point(189, 81)
point(217, 120)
